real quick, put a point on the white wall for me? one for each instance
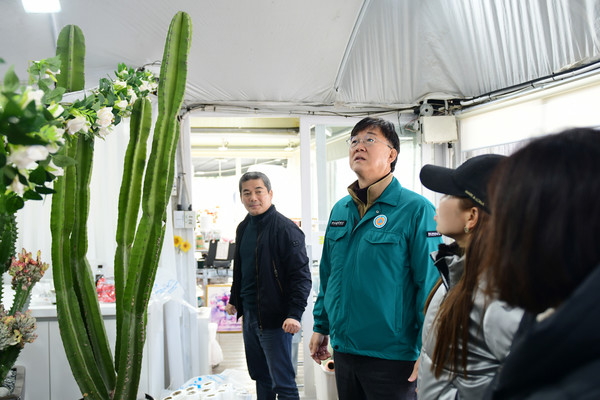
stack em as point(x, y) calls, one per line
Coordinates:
point(573, 104)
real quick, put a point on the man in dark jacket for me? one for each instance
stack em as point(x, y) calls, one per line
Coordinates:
point(271, 283)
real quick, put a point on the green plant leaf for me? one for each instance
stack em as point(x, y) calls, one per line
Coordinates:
point(62, 161)
point(55, 95)
point(44, 190)
point(38, 175)
point(14, 203)
point(53, 63)
point(22, 179)
point(11, 80)
point(31, 195)
point(9, 173)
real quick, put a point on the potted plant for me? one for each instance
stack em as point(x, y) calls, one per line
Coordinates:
point(139, 241)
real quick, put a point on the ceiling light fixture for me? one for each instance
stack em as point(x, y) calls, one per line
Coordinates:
point(41, 6)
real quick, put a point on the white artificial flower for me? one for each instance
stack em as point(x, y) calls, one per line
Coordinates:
point(17, 186)
point(145, 86)
point(37, 152)
point(20, 158)
point(56, 110)
point(24, 157)
point(119, 84)
point(121, 105)
point(33, 95)
point(132, 96)
point(77, 124)
point(52, 147)
point(105, 117)
point(55, 170)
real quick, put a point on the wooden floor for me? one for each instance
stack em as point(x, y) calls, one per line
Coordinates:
point(234, 358)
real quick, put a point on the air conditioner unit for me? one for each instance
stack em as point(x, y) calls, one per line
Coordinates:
point(439, 129)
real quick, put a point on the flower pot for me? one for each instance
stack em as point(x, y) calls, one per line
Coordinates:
point(18, 392)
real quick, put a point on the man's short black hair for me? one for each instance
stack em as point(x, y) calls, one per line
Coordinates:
point(249, 176)
point(387, 128)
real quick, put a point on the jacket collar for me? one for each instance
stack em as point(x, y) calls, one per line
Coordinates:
point(259, 219)
point(450, 262)
point(386, 190)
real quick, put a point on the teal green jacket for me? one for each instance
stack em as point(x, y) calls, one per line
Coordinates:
point(376, 274)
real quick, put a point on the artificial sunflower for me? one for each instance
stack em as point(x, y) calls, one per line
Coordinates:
point(185, 246)
point(177, 241)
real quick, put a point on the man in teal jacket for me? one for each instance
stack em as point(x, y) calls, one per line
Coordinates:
point(375, 273)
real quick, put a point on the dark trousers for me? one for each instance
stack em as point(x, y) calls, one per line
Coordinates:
point(370, 378)
point(269, 359)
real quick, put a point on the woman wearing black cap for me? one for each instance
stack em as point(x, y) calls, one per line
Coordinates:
point(465, 334)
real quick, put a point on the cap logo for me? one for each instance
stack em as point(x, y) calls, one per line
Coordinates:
point(475, 198)
point(380, 221)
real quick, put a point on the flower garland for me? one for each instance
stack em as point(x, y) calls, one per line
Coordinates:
point(98, 113)
point(33, 123)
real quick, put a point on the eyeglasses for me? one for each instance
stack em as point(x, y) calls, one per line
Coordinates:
point(367, 141)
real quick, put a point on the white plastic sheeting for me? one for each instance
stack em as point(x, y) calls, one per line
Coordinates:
point(406, 50)
point(339, 55)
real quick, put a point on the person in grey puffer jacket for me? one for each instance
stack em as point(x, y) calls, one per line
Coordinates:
point(466, 335)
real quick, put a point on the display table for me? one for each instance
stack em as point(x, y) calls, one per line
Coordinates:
point(48, 375)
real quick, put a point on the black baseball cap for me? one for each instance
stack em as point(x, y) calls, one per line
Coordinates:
point(469, 180)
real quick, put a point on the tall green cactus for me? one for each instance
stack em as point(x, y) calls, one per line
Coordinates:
point(79, 315)
point(138, 244)
point(149, 236)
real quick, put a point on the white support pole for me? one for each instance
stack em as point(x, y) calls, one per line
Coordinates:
point(321, 152)
point(305, 188)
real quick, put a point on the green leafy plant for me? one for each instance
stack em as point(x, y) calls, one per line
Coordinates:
point(32, 130)
point(139, 242)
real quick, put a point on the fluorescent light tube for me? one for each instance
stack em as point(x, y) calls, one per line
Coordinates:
point(41, 6)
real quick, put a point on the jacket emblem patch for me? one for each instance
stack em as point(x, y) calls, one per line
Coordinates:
point(433, 234)
point(380, 221)
point(338, 223)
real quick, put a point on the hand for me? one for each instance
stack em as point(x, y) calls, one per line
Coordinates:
point(415, 372)
point(230, 309)
point(290, 325)
point(318, 347)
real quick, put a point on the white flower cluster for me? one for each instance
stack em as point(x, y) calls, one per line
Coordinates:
point(127, 92)
point(25, 157)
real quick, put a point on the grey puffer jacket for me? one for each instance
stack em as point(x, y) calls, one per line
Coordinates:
point(491, 330)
